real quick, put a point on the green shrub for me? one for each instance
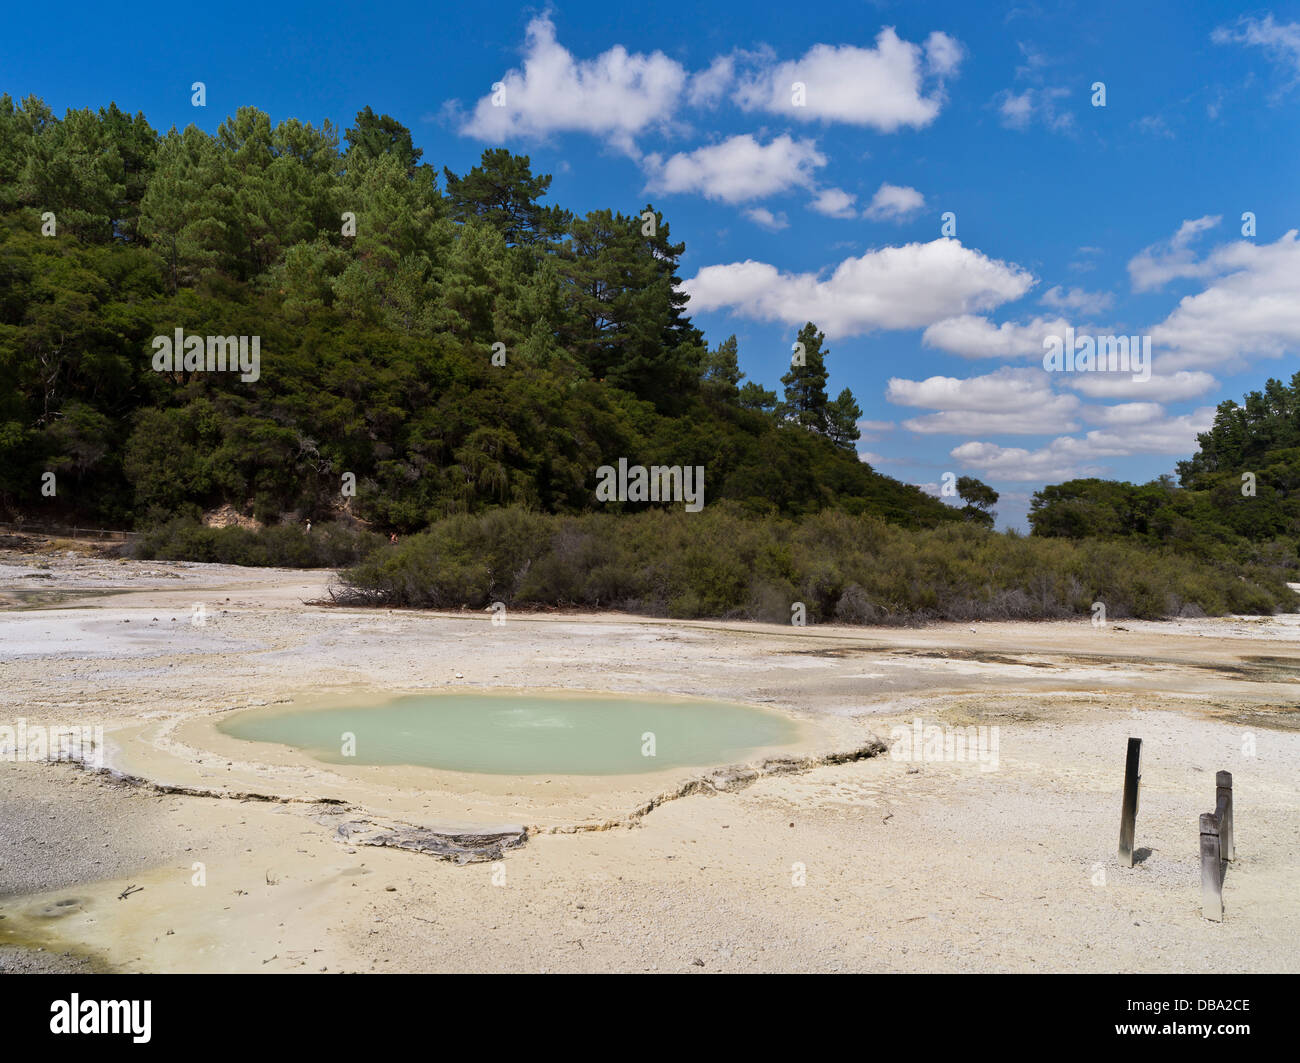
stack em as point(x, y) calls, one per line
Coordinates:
point(281, 546)
point(723, 562)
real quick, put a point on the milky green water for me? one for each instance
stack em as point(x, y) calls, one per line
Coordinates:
point(522, 734)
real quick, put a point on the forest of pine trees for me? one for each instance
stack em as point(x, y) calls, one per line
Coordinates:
point(449, 340)
point(465, 356)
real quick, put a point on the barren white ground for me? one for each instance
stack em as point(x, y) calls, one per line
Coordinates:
point(879, 865)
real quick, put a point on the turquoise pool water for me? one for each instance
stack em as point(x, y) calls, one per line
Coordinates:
point(522, 734)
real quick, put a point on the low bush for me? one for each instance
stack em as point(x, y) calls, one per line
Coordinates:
point(843, 568)
point(279, 546)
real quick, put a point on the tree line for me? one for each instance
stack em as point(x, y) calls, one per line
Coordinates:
point(1237, 497)
point(447, 341)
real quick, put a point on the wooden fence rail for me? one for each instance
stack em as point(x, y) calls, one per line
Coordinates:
point(64, 531)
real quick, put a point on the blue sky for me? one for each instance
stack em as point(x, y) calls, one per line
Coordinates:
point(1117, 220)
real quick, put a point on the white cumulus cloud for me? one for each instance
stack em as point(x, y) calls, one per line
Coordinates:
point(708, 86)
point(1173, 435)
point(738, 169)
point(1251, 309)
point(1062, 459)
point(1161, 387)
point(1006, 402)
point(972, 336)
point(894, 203)
point(889, 288)
point(1125, 413)
point(943, 54)
point(1067, 457)
point(617, 94)
point(894, 84)
point(834, 203)
point(999, 392)
point(765, 219)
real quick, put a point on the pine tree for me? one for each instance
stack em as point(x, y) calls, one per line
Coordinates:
point(805, 383)
point(75, 170)
point(135, 143)
point(377, 135)
point(842, 420)
point(503, 191)
point(627, 323)
point(19, 128)
point(721, 370)
point(185, 212)
point(754, 396)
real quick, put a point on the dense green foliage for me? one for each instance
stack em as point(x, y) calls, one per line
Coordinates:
point(1237, 497)
point(843, 568)
point(464, 358)
point(284, 546)
point(454, 350)
point(980, 499)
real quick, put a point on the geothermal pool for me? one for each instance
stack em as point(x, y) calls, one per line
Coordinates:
point(522, 734)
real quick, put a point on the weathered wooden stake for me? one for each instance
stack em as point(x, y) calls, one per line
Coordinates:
point(1211, 869)
point(1223, 812)
point(1129, 810)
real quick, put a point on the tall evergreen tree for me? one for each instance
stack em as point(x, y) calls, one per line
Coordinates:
point(90, 170)
point(283, 181)
point(842, 420)
point(376, 135)
point(19, 128)
point(185, 212)
point(754, 396)
point(135, 143)
point(503, 191)
point(721, 370)
point(805, 383)
point(626, 304)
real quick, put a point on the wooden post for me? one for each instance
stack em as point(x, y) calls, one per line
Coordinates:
point(1211, 869)
point(1223, 811)
point(1129, 810)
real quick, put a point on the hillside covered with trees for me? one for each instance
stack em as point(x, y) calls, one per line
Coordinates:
point(1223, 540)
point(447, 358)
point(430, 343)
point(1236, 498)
